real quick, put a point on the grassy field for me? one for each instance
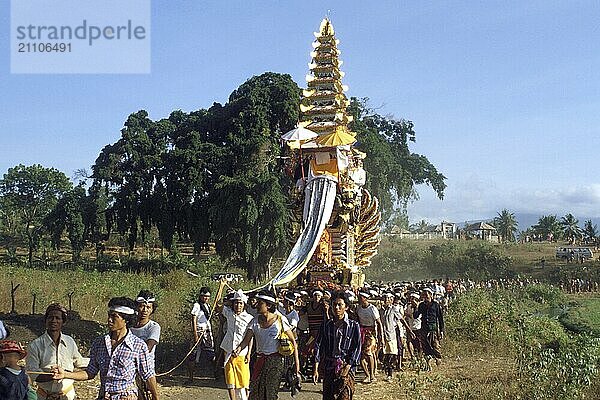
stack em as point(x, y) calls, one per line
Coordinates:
point(481, 351)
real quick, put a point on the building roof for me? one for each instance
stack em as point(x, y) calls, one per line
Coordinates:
point(480, 226)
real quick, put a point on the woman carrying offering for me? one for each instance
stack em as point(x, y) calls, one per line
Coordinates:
point(266, 329)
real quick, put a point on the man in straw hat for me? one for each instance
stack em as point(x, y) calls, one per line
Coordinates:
point(118, 356)
point(51, 349)
point(14, 383)
point(237, 369)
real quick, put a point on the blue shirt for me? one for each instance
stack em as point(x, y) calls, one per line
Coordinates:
point(118, 367)
point(341, 342)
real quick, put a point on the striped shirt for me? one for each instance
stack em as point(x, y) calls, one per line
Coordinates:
point(341, 342)
point(118, 367)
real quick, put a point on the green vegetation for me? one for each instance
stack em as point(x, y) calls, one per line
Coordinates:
point(550, 363)
point(399, 259)
point(211, 176)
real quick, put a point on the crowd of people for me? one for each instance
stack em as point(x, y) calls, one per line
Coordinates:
point(325, 334)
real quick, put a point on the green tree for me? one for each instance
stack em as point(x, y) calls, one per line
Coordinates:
point(393, 170)
point(590, 231)
point(67, 215)
point(570, 229)
point(249, 211)
point(128, 170)
point(506, 225)
point(548, 227)
point(28, 194)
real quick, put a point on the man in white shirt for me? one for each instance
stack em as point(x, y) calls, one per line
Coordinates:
point(413, 345)
point(371, 334)
point(54, 348)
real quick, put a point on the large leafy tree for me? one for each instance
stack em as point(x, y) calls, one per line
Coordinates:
point(548, 227)
point(570, 228)
point(128, 170)
point(506, 225)
point(249, 212)
point(393, 170)
point(28, 195)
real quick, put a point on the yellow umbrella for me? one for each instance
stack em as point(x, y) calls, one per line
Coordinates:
point(339, 137)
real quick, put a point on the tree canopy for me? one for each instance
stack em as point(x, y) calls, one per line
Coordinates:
point(28, 194)
point(393, 171)
point(208, 176)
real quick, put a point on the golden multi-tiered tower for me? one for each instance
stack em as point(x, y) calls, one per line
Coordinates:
point(351, 237)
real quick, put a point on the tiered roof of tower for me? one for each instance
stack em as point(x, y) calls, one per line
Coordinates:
point(324, 103)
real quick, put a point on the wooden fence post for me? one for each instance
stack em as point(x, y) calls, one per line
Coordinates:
point(13, 289)
point(71, 300)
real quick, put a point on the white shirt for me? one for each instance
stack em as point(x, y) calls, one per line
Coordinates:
point(237, 325)
point(150, 331)
point(266, 338)
point(202, 322)
point(293, 318)
point(42, 355)
point(367, 315)
point(415, 324)
point(3, 332)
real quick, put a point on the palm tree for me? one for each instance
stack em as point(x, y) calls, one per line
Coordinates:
point(548, 227)
point(590, 231)
point(570, 228)
point(506, 225)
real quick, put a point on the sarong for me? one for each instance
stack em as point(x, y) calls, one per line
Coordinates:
point(367, 339)
point(237, 373)
point(336, 387)
point(430, 343)
point(266, 376)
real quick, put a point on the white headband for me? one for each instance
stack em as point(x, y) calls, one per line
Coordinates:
point(318, 292)
point(266, 298)
point(122, 310)
point(364, 294)
point(144, 300)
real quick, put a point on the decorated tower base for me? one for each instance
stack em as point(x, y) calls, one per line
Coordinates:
point(349, 238)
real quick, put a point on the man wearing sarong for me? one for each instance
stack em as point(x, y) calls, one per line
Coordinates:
point(337, 352)
point(237, 369)
point(371, 336)
point(432, 325)
point(413, 344)
point(118, 357)
point(51, 349)
point(391, 318)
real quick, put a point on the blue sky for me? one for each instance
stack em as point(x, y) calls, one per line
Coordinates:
point(505, 95)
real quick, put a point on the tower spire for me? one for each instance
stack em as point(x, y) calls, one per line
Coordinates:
point(324, 103)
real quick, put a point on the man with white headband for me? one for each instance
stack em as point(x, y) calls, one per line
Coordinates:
point(146, 329)
point(118, 357)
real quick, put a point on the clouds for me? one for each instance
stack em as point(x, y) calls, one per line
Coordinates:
point(476, 198)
